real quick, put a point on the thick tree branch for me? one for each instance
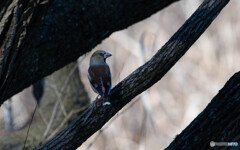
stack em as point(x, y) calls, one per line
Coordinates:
point(68, 30)
point(218, 122)
point(18, 19)
point(95, 116)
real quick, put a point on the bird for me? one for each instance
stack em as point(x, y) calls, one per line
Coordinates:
point(99, 74)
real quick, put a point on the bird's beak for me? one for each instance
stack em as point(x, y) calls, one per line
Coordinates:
point(106, 55)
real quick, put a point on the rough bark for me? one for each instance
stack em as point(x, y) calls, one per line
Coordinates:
point(95, 116)
point(17, 21)
point(68, 30)
point(218, 122)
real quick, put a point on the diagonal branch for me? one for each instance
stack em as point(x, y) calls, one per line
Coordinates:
point(95, 116)
point(69, 30)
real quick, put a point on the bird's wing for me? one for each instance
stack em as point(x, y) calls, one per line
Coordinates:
point(100, 79)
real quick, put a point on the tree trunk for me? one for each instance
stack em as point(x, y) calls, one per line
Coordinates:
point(33, 47)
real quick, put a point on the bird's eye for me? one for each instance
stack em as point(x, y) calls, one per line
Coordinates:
point(102, 54)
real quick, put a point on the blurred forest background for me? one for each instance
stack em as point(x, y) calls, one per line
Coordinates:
point(153, 119)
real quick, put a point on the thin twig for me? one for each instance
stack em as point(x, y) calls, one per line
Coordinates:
point(51, 119)
point(68, 77)
point(42, 116)
point(29, 126)
point(59, 95)
point(63, 122)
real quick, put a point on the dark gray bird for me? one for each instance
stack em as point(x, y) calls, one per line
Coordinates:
point(99, 74)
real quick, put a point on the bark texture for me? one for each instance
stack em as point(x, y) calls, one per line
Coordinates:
point(95, 116)
point(33, 47)
point(218, 122)
point(18, 19)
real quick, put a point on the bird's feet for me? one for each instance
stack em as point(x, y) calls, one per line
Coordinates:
point(105, 102)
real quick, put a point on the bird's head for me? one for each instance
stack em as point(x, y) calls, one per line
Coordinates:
point(99, 57)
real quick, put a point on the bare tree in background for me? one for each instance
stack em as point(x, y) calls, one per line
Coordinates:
point(8, 120)
point(29, 52)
